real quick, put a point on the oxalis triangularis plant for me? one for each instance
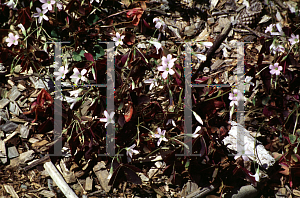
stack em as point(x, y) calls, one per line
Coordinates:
point(149, 88)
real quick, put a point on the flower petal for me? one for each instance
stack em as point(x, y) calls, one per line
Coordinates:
point(165, 75)
point(162, 68)
point(171, 71)
point(158, 130)
point(83, 72)
point(112, 115)
point(159, 141)
point(106, 114)
point(103, 119)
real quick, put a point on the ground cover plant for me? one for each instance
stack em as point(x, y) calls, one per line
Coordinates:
point(148, 43)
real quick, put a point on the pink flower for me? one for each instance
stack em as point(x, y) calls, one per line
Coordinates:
point(12, 39)
point(271, 28)
point(169, 60)
point(160, 135)
point(276, 47)
point(235, 97)
point(41, 14)
point(167, 64)
point(159, 23)
point(118, 39)
point(294, 39)
point(79, 75)
point(59, 5)
point(47, 4)
point(166, 69)
point(275, 69)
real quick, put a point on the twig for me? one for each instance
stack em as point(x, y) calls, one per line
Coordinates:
point(37, 162)
point(212, 50)
point(201, 192)
point(259, 34)
point(59, 180)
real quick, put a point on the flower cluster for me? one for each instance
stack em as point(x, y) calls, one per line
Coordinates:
point(278, 46)
point(47, 6)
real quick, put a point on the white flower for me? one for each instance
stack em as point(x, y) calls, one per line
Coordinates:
point(108, 118)
point(79, 75)
point(62, 71)
point(47, 4)
point(12, 39)
point(201, 57)
point(195, 134)
point(72, 100)
point(130, 151)
point(256, 176)
point(198, 118)
point(91, 1)
point(248, 83)
point(160, 135)
point(270, 28)
point(171, 121)
point(207, 44)
point(152, 82)
point(41, 14)
point(248, 80)
point(294, 39)
point(279, 28)
point(157, 45)
point(22, 28)
point(118, 39)
point(76, 92)
point(11, 4)
point(111, 171)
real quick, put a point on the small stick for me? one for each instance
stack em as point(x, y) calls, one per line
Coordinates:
point(212, 49)
point(37, 162)
point(201, 192)
point(259, 34)
point(59, 180)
